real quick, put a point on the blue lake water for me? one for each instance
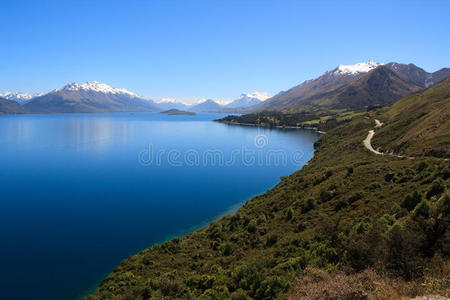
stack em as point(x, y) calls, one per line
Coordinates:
point(79, 193)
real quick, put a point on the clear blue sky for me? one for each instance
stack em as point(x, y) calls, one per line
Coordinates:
point(215, 49)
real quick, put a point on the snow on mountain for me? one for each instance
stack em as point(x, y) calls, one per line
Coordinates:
point(98, 87)
point(171, 100)
point(258, 95)
point(171, 103)
point(246, 100)
point(362, 67)
point(19, 97)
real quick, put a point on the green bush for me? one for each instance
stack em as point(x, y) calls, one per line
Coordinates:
point(325, 196)
point(341, 204)
point(422, 210)
point(308, 205)
point(355, 197)
point(271, 240)
point(227, 249)
point(444, 204)
point(239, 295)
point(289, 213)
point(422, 166)
point(252, 226)
point(411, 200)
point(437, 187)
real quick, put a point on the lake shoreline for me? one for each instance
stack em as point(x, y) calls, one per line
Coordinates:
point(268, 127)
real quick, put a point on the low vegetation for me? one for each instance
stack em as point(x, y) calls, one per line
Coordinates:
point(348, 225)
point(323, 120)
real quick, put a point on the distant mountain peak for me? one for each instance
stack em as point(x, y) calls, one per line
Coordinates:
point(256, 95)
point(170, 100)
point(362, 67)
point(247, 100)
point(95, 86)
point(20, 97)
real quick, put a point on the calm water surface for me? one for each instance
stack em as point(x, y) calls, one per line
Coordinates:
point(79, 193)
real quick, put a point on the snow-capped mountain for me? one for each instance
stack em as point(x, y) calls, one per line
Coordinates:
point(358, 68)
point(328, 81)
point(247, 100)
point(90, 97)
point(97, 87)
point(19, 97)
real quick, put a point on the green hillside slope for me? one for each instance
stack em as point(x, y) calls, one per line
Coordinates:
point(348, 210)
point(418, 125)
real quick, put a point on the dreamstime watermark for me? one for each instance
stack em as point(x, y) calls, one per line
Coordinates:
point(245, 156)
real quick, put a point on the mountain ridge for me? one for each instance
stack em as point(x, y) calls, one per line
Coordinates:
point(333, 80)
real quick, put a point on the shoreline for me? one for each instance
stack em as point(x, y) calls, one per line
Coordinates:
point(277, 127)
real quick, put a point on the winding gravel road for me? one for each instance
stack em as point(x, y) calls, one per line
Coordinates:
point(368, 141)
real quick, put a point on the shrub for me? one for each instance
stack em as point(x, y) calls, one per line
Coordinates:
point(206, 282)
point(444, 204)
point(289, 213)
point(341, 204)
point(262, 219)
point(227, 249)
point(270, 288)
point(252, 226)
point(239, 295)
point(389, 176)
point(411, 200)
point(437, 187)
point(170, 287)
point(308, 205)
point(325, 196)
point(355, 197)
point(349, 171)
point(271, 240)
point(422, 166)
point(215, 231)
point(422, 210)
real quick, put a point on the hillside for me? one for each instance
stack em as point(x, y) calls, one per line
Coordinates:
point(419, 76)
point(379, 222)
point(418, 125)
point(380, 86)
point(10, 107)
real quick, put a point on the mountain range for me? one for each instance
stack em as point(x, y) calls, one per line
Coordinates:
point(19, 97)
point(92, 97)
point(347, 87)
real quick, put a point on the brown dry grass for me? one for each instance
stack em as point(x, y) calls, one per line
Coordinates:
point(368, 285)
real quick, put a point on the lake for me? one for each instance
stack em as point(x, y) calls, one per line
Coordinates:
point(81, 192)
